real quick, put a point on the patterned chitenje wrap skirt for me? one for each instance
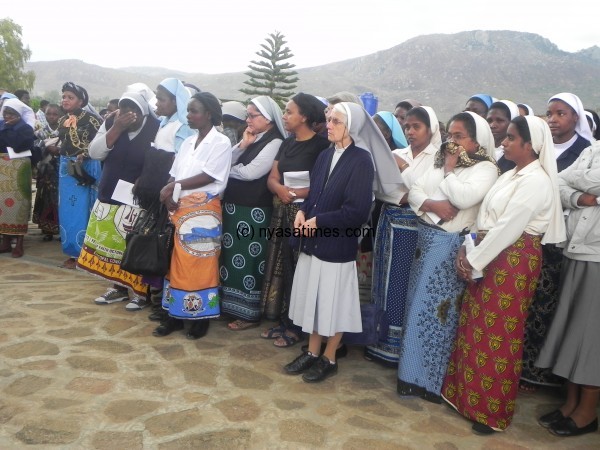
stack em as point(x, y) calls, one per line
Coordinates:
point(191, 289)
point(486, 362)
point(15, 195)
point(393, 253)
point(243, 260)
point(104, 244)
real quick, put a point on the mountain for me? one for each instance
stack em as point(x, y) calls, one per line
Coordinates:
point(440, 70)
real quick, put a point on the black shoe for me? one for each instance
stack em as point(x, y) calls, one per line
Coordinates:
point(548, 419)
point(168, 326)
point(198, 329)
point(300, 364)
point(567, 427)
point(340, 352)
point(158, 315)
point(480, 428)
point(47, 238)
point(320, 370)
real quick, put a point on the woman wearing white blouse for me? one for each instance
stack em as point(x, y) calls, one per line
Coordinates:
point(446, 198)
point(519, 213)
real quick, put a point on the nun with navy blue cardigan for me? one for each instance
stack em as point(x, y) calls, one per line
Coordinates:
point(324, 299)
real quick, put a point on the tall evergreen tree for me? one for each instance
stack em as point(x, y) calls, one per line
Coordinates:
point(272, 76)
point(13, 57)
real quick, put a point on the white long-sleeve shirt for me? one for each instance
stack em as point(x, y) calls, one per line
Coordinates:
point(518, 202)
point(259, 166)
point(464, 188)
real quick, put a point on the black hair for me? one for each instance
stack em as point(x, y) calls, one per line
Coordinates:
point(404, 105)
point(19, 93)
point(212, 105)
point(469, 122)
point(44, 103)
point(310, 107)
point(523, 127)
point(501, 106)
point(53, 105)
point(114, 101)
point(421, 115)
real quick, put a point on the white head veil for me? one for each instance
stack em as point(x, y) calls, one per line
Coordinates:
point(484, 135)
point(22, 109)
point(436, 136)
point(366, 134)
point(582, 128)
point(512, 108)
point(541, 141)
point(272, 112)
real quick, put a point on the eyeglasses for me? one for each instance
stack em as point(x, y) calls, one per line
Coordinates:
point(252, 116)
point(335, 121)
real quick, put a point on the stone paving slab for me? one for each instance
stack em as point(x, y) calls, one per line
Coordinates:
point(76, 375)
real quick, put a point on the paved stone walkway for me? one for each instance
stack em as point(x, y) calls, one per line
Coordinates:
point(75, 375)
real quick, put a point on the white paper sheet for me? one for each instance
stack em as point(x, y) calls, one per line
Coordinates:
point(14, 155)
point(297, 180)
point(123, 194)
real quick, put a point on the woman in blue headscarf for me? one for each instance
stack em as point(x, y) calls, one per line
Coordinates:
point(479, 104)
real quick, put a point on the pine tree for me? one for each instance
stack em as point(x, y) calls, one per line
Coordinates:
point(272, 76)
point(13, 57)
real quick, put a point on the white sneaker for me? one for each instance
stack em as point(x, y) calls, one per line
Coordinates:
point(136, 304)
point(111, 295)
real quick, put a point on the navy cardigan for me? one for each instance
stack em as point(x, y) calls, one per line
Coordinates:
point(569, 156)
point(341, 203)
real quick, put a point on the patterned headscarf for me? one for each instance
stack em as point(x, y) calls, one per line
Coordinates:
point(79, 92)
point(485, 152)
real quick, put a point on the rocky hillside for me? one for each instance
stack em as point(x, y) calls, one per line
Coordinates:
point(441, 70)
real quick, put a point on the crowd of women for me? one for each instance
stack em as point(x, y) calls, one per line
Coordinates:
point(486, 250)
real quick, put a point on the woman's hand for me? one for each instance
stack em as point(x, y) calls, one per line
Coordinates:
point(247, 139)
point(402, 163)
point(299, 220)
point(53, 149)
point(463, 267)
point(309, 226)
point(450, 160)
point(80, 157)
point(443, 208)
point(283, 192)
point(586, 199)
point(166, 197)
point(123, 121)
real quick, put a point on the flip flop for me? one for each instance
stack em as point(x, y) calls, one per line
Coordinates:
point(273, 333)
point(286, 341)
point(239, 325)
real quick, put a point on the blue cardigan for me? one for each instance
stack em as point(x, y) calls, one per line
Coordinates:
point(569, 156)
point(341, 203)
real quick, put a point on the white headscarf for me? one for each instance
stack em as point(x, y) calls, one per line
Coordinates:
point(484, 135)
point(272, 112)
point(366, 134)
point(591, 117)
point(436, 136)
point(21, 108)
point(582, 128)
point(138, 99)
point(527, 107)
point(512, 107)
point(541, 141)
point(148, 94)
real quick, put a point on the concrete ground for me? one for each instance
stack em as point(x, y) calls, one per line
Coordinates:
point(74, 375)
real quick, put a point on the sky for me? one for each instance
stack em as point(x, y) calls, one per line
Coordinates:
point(222, 36)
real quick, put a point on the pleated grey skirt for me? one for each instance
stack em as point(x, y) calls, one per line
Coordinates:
point(325, 297)
point(572, 347)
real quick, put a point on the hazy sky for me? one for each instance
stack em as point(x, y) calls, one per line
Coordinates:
point(222, 36)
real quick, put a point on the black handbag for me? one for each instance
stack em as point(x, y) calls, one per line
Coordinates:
point(149, 247)
point(375, 325)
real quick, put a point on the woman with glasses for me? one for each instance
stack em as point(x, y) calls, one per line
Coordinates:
point(446, 199)
point(325, 300)
point(247, 209)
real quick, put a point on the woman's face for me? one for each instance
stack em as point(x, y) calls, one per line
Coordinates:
point(10, 116)
point(457, 133)
point(498, 122)
point(515, 148)
point(257, 123)
point(166, 104)
point(292, 119)
point(336, 127)
point(562, 120)
point(52, 116)
point(385, 130)
point(70, 102)
point(198, 118)
point(400, 114)
point(477, 107)
point(417, 133)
